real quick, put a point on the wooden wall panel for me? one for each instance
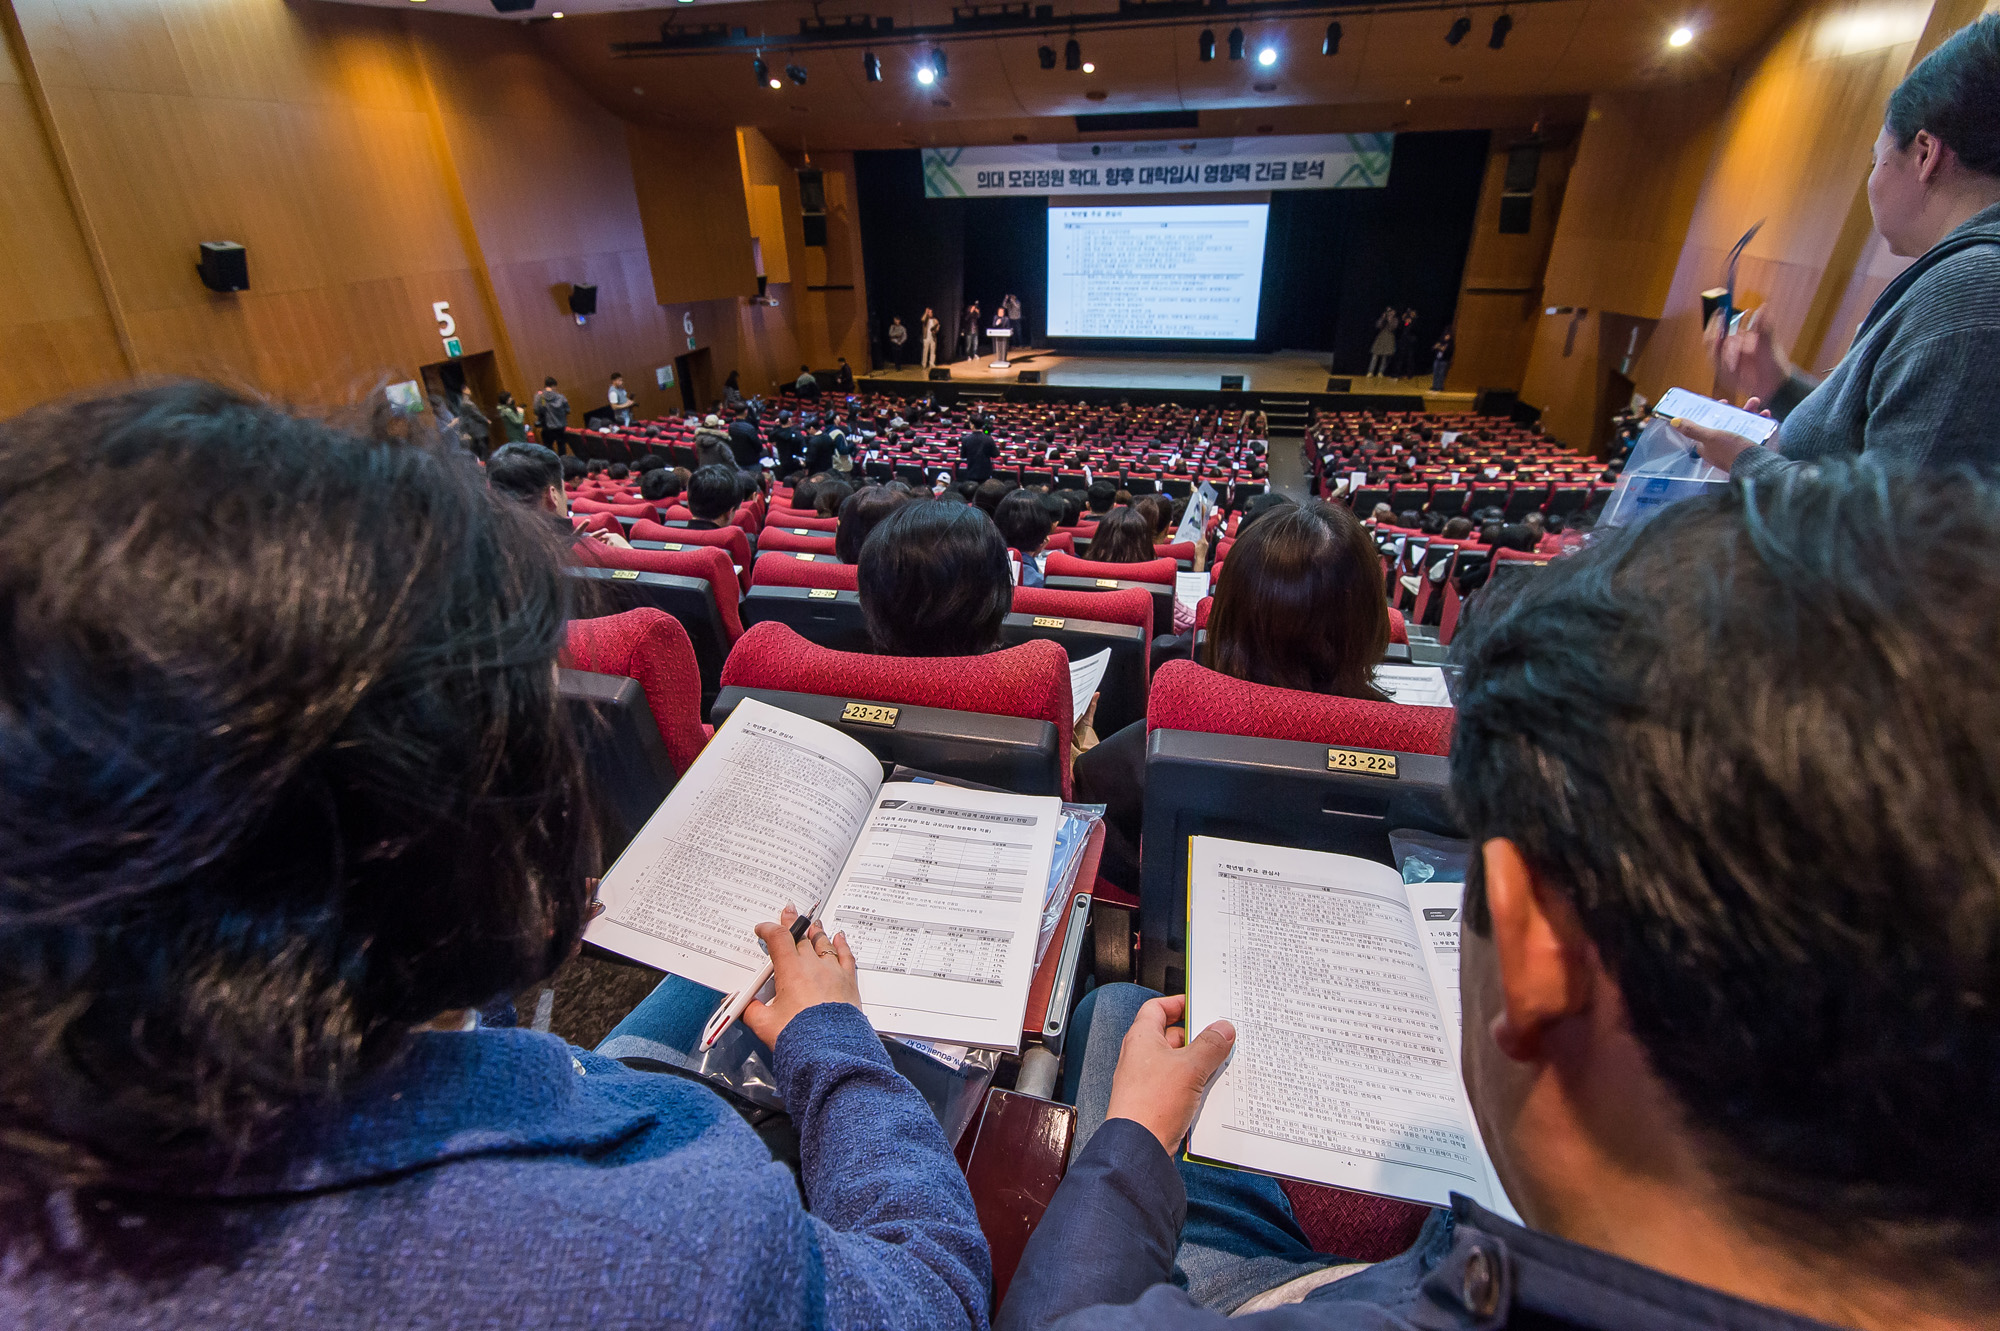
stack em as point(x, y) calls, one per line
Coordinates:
point(697, 225)
point(1501, 295)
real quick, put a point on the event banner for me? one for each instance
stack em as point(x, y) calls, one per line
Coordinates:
point(1161, 166)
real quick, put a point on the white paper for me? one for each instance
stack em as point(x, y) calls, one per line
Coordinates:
point(1678, 403)
point(942, 903)
point(1084, 677)
point(1436, 907)
point(1343, 1071)
point(1356, 479)
point(764, 818)
point(1448, 437)
point(1189, 588)
point(1195, 520)
point(1416, 686)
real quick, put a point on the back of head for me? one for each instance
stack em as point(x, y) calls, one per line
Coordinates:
point(1383, 513)
point(282, 773)
point(1268, 502)
point(619, 471)
point(1457, 529)
point(935, 581)
point(989, 494)
point(829, 495)
point(1024, 520)
point(573, 468)
point(1125, 536)
point(660, 484)
point(1300, 604)
point(860, 513)
point(1158, 510)
point(524, 471)
point(1101, 495)
point(805, 492)
point(1951, 94)
point(1769, 792)
point(712, 493)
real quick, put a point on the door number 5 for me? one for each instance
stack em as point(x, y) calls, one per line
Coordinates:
point(446, 324)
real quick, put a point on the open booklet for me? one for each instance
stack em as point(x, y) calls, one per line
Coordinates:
point(939, 889)
point(1342, 983)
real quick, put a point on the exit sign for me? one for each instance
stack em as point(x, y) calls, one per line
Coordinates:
point(453, 348)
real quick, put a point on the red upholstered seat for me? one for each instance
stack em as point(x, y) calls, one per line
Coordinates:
point(581, 505)
point(1354, 1224)
point(596, 522)
point(677, 512)
point(779, 540)
point(1399, 629)
point(1064, 541)
point(1187, 696)
point(1031, 680)
point(1520, 556)
point(784, 570)
point(708, 562)
point(730, 539)
point(1153, 570)
point(1174, 550)
point(650, 646)
point(749, 516)
point(808, 522)
point(1129, 606)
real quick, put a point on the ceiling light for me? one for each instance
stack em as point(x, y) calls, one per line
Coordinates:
point(797, 74)
point(1331, 46)
point(1205, 48)
point(1089, 68)
point(1072, 55)
point(760, 70)
point(1047, 56)
point(776, 83)
point(1501, 27)
point(557, 14)
point(1236, 43)
point(1459, 27)
point(1681, 37)
point(925, 75)
point(1267, 57)
point(871, 67)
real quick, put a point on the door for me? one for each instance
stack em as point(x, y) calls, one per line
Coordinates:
point(696, 374)
point(478, 374)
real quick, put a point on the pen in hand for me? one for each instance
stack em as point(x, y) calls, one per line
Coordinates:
point(732, 1007)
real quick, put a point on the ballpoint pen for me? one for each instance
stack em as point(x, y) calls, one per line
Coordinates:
point(732, 1007)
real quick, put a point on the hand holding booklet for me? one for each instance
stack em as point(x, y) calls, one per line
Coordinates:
point(1342, 983)
point(939, 889)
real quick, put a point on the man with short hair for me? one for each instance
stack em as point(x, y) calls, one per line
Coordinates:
point(532, 475)
point(1731, 992)
point(712, 495)
point(746, 446)
point(620, 401)
point(1101, 496)
point(552, 416)
point(805, 385)
point(976, 451)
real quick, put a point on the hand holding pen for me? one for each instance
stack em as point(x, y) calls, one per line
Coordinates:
point(810, 967)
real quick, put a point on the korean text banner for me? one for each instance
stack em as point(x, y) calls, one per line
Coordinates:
point(1161, 166)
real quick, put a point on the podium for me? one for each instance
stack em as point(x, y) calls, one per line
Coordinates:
point(1001, 337)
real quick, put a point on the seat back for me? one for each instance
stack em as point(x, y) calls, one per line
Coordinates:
point(626, 766)
point(696, 586)
point(1528, 497)
point(1084, 624)
point(1399, 627)
point(649, 646)
point(788, 570)
point(646, 535)
point(780, 541)
point(1006, 714)
point(823, 615)
point(1155, 576)
point(1232, 759)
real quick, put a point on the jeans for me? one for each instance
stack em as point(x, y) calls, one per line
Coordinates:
point(1439, 369)
point(667, 1023)
point(1240, 1238)
point(1376, 365)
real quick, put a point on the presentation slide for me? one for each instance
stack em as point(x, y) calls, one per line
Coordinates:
point(1164, 271)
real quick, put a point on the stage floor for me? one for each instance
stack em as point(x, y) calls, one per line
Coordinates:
point(1278, 372)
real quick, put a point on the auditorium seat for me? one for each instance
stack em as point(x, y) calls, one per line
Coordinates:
point(1085, 623)
point(1354, 1225)
point(1063, 572)
point(788, 570)
point(647, 511)
point(644, 535)
point(1002, 719)
point(696, 586)
point(781, 541)
point(798, 521)
point(649, 646)
point(626, 767)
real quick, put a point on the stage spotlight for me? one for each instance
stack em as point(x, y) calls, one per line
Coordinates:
point(1681, 37)
point(1072, 55)
point(926, 75)
point(1459, 27)
point(1047, 55)
point(937, 62)
point(1205, 48)
point(1331, 46)
point(761, 70)
point(871, 68)
point(1236, 43)
point(1501, 27)
point(1267, 57)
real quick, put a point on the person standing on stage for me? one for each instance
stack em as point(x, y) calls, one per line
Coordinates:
point(1406, 346)
point(1011, 306)
point(1442, 351)
point(552, 417)
point(898, 335)
point(972, 331)
point(927, 331)
point(1384, 349)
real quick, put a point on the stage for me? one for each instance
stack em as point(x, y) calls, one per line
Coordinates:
point(1150, 376)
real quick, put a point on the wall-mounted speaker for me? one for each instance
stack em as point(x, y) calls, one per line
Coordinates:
point(1517, 214)
point(940, 372)
point(815, 228)
point(1029, 377)
point(1232, 382)
point(582, 298)
point(1340, 385)
point(224, 266)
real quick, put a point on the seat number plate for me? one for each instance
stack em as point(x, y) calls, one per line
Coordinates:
point(625, 574)
point(869, 714)
point(1049, 622)
point(822, 594)
point(1107, 582)
point(1367, 762)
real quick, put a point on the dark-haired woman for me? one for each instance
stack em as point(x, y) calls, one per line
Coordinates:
point(287, 792)
point(934, 581)
point(862, 512)
point(1300, 605)
point(1124, 536)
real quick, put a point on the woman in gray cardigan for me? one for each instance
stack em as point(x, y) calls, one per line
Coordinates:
point(1920, 386)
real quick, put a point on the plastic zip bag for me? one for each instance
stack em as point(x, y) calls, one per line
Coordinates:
point(1664, 469)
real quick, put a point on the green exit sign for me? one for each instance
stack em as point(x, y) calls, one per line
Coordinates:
point(453, 348)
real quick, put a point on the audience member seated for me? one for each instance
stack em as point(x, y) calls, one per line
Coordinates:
point(1101, 495)
point(934, 581)
point(532, 475)
point(1025, 522)
point(860, 513)
point(1731, 1005)
point(1299, 605)
point(1457, 529)
point(1125, 536)
point(662, 484)
point(712, 495)
point(288, 793)
point(829, 495)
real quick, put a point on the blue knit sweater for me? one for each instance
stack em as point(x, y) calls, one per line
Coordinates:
point(501, 1179)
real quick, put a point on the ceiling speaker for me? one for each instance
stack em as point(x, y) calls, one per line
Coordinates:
point(224, 266)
